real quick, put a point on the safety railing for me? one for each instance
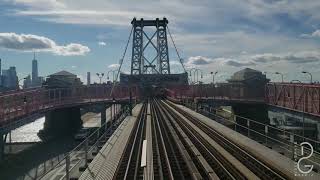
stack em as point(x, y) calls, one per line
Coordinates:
point(80, 156)
point(222, 92)
point(283, 141)
point(22, 103)
point(304, 98)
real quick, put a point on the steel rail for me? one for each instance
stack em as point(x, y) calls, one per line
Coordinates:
point(177, 162)
point(220, 165)
point(164, 153)
point(261, 169)
point(157, 162)
point(123, 168)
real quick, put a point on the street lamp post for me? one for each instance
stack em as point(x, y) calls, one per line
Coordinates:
point(113, 71)
point(100, 76)
point(305, 72)
point(213, 74)
point(190, 74)
point(20, 80)
point(280, 74)
point(296, 80)
point(197, 71)
point(303, 107)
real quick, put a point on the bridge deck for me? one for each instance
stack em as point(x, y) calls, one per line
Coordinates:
point(105, 163)
point(279, 162)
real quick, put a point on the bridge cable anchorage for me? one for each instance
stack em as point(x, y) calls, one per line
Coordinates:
point(175, 47)
point(121, 60)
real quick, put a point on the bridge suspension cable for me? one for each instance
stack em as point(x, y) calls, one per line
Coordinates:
point(121, 60)
point(175, 47)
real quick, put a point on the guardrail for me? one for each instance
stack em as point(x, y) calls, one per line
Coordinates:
point(80, 156)
point(288, 143)
point(23, 103)
point(304, 98)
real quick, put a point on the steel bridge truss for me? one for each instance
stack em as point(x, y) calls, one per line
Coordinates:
point(160, 63)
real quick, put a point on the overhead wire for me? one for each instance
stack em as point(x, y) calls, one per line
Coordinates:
point(175, 47)
point(121, 60)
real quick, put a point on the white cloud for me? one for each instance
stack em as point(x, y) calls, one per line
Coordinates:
point(113, 65)
point(239, 63)
point(198, 60)
point(316, 33)
point(174, 63)
point(41, 4)
point(71, 50)
point(101, 43)
point(119, 12)
point(299, 57)
point(235, 42)
point(30, 42)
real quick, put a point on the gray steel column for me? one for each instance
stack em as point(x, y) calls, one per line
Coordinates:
point(162, 44)
point(137, 48)
point(103, 116)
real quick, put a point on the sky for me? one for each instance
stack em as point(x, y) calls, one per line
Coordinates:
point(83, 36)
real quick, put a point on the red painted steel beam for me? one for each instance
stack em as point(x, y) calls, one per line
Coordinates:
point(292, 96)
point(19, 104)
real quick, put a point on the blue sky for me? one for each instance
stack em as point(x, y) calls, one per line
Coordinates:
point(213, 35)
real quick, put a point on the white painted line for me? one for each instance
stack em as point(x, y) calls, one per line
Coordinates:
point(144, 154)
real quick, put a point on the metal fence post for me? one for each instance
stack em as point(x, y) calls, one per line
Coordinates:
point(266, 133)
point(293, 146)
point(248, 125)
point(235, 124)
point(44, 167)
point(67, 166)
point(86, 153)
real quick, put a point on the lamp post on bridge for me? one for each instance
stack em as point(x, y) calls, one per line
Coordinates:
point(20, 80)
point(303, 107)
point(295, 80)
point(280, 74)
point(113, 71)
point(100, 76)
point(305, 72)
point(190, 74)
point(197, 71)
point(213, 74)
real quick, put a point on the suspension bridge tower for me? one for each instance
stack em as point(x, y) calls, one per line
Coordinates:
point(159, 64)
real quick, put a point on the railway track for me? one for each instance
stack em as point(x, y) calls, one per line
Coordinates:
point(184, 148)
point(262, 170)
point(129, 167)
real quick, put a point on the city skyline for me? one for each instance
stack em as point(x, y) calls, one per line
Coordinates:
point(90, 37)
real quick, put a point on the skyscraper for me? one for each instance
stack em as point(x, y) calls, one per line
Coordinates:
point(35, 78)
point(0, 67)
point(27, 82)
point(88, 78)
point(10, 78)
point(0, 74)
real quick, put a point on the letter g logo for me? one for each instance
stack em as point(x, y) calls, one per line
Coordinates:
point(307, 157)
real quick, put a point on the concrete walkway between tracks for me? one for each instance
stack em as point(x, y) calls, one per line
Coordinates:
point(105, 164)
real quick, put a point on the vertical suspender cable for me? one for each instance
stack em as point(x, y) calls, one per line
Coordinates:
point(175, 47)
point(121, 60)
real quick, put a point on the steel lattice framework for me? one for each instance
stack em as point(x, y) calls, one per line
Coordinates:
point(160, 63)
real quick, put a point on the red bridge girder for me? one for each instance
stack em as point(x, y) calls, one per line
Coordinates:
point(234, 92)
point(294, 96)
point(15, 105)
point(297, 97)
